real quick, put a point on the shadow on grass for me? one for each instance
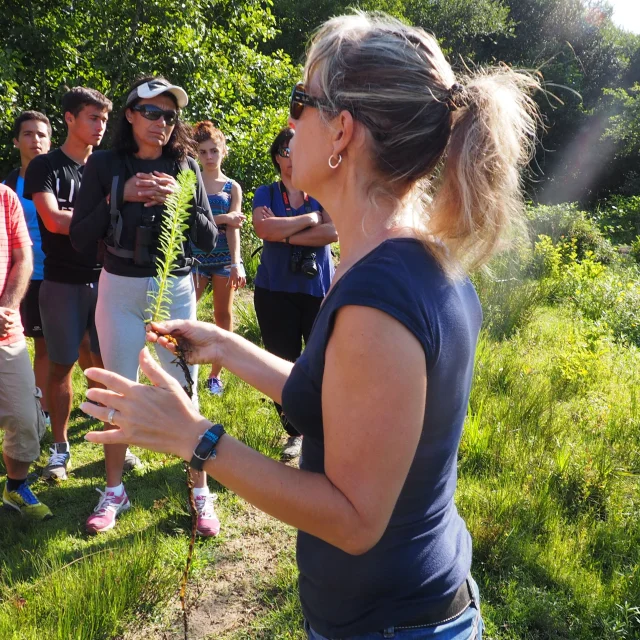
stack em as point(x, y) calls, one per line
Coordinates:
point(159, 507)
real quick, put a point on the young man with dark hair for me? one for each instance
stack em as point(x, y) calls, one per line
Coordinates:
point(21, 417)
point(32, 137)
point(68, 292)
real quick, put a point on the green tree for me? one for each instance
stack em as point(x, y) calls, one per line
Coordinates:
point(210, 47)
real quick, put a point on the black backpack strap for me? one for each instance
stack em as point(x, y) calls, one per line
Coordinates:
point(12, 179)
point(184, 165)
point(121, 166)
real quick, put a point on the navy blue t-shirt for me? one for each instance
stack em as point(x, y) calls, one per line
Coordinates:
point(425, 553)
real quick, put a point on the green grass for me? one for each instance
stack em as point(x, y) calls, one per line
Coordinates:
point(548, 483)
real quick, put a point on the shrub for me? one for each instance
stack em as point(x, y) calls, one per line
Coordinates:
point(565, 222)
point(619, 218)
point(635, 249)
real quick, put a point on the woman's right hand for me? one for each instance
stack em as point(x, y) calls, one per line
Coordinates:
point(201, 342)
point(148, 188)
point(235, 219)
point(315, 218)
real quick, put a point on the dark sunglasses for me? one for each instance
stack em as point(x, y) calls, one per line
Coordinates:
point(151, 112)
point(300, 99)
point(284, 152)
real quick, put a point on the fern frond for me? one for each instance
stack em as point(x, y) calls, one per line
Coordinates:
point(172, 236)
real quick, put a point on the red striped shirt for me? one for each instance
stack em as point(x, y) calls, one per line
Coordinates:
point(13, 235)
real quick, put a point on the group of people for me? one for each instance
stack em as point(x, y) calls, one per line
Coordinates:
point(418, 171)
point(93, 220)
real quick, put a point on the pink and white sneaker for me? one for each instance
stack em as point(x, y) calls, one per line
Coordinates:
point(208, 523)
point(104, 515)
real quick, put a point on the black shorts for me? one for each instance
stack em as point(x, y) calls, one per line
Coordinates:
point(68, 312)
point(30, 311)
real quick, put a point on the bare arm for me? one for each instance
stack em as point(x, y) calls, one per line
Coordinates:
point(366, 465)
point(233, 231)
point(325, 233)
point(55, 220)
point(274, 228)
point(235, 217)
point(18, 278)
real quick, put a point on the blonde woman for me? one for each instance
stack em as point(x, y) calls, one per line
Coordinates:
point(381, 391)
point(222, 266)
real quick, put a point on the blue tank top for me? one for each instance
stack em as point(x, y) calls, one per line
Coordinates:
point(425, 553)
point(219, 256)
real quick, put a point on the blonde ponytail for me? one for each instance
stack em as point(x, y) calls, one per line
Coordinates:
point(478, 202)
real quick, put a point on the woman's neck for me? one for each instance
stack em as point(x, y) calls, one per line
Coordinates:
point(213, 173)
point(363, 225)
point(291, 190)
point(148, 152)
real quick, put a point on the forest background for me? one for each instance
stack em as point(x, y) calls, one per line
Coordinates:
point(238, 59)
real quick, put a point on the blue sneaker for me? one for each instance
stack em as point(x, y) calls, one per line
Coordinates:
point(25, 503)
point(215, 386)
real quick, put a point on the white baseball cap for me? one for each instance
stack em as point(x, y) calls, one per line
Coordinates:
point(154, 88)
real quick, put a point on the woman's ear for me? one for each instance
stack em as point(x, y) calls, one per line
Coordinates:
point(128, 114)
point(343, 131)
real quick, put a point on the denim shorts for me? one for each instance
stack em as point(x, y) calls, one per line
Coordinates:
point(467, 626)
point(206, 271)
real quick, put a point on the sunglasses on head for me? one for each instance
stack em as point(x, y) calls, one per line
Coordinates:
point(151, 112)
point(300, 99)
point(284, 152)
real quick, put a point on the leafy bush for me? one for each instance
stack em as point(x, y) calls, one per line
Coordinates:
point(635, 249)
point(564, 222)
point(608, 295)
point(619, 218)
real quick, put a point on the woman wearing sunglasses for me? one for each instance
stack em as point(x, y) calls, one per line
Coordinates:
point(121, 204)
point(381, 390)
point(296, 267)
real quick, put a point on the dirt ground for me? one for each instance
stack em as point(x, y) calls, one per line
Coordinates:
point(226, 595)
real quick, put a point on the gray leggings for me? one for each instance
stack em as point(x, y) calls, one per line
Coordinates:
point(120, 316)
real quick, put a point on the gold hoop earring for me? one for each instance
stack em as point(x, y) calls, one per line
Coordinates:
point(335, 166)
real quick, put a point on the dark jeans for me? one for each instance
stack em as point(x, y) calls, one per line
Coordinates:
point(285, 319)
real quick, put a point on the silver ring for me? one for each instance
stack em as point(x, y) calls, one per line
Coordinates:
point(112, 412)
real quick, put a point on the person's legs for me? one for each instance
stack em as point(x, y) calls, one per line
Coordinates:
point(60, 393)
point(200, 282)
point(119, 320)
point(309, 307)
point(32, 324)
point(222, 309)
point(120, 334)
point(63, 330)
point(22, 419)
point(280, 321)
point(84, 355)
point(183, 306)
point(41, 369)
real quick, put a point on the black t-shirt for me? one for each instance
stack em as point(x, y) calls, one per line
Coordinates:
point(58, 174)
point(92, 222)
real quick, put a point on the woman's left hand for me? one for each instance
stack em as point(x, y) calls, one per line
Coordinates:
point(238, 277)
point(159, 418)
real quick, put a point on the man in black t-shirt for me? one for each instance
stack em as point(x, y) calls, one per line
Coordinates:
point(69, 290)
